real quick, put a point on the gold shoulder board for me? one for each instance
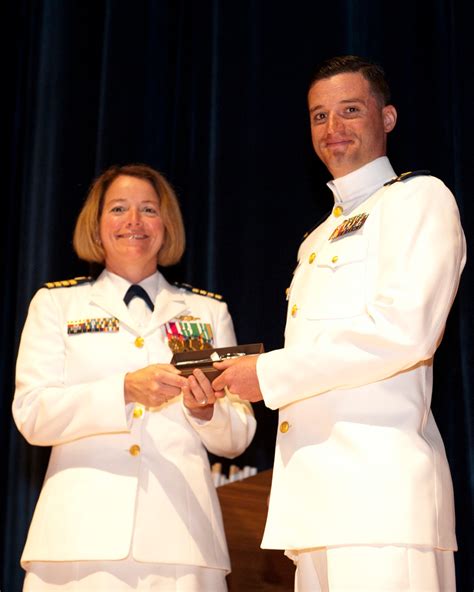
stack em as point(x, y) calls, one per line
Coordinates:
point(407, 175)
point(194, 290)
point(68, 283)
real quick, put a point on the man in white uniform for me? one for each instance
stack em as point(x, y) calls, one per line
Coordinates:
point(362, 496)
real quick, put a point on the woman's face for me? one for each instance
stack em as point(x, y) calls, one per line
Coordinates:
point(131, 228)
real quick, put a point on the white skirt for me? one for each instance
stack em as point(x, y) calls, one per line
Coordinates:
point(388, 568)
point(121, 576)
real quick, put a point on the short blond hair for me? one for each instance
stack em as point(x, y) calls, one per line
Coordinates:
point(86, 233)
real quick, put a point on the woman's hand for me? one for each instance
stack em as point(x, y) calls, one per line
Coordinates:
point(153, 385)
point(199, 396)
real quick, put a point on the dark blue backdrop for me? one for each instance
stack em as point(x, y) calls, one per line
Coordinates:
point(213, 92)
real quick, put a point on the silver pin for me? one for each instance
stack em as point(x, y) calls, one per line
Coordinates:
point(215, 357)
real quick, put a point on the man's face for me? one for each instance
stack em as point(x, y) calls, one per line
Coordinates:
point(348, 125)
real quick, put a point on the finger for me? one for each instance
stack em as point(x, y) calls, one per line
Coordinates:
point(201, 396)
point(189, 400)
point(219, 383)
point(204, 382)
point(165, 390)
point(225, 363)
point(193, 401)
point(171, 379)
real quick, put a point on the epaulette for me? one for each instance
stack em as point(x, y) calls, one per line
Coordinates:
point(407, 175)
point(68, 283)
point(194, 290)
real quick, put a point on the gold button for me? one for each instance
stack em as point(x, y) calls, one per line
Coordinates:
point(139, 342)
point(312, 257)
point(335, 259)
point(337, 211)
point(287, 291)
point(294, 310)
point(284, 427)
point(137, 412)
point(134, 450)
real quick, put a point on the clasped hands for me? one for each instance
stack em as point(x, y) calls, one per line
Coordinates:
point(155, 384)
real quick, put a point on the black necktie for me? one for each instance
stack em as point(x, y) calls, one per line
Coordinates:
point(136, 290)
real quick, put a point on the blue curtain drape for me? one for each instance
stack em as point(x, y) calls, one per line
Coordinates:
point(213, 94)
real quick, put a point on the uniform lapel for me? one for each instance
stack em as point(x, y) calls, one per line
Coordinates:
point(169, 303)
point(104, 294)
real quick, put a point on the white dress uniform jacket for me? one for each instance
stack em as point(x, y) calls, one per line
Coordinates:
point(122, 480)
point(359, 458)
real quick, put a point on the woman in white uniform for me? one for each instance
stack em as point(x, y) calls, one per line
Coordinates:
point(128, 502)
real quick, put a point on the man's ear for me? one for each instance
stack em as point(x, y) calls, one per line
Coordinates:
point(389, 114)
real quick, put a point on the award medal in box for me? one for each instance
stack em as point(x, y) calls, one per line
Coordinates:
point(187, 361)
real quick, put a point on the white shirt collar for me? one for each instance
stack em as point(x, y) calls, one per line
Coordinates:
point(354, 188)
point(151, 284)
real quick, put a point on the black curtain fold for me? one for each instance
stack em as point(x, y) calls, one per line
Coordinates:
point(213, 94)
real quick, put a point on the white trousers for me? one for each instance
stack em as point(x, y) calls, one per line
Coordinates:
point(390, 568)
point(121, 576)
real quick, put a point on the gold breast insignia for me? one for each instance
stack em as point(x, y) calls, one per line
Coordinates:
point(187, 318)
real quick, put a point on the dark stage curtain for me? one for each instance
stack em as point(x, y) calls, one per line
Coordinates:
point(213, 94)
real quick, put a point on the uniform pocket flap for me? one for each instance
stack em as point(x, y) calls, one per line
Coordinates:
point(344, 251)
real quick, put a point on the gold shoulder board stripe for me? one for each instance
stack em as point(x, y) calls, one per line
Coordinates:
point(194, 290)
point(68, 283)
point(407, 175)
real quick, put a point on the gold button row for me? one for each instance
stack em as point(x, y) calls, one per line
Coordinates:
point(311, 258)
point(135, 448)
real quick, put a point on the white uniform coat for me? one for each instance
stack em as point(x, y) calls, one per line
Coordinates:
point(99, 501)
point(360, 459)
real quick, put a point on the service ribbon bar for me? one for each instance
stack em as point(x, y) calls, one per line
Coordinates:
point(349, 225)
point(101, 325)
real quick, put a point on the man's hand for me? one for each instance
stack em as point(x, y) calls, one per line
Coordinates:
point(240, 378)
point(153, 385)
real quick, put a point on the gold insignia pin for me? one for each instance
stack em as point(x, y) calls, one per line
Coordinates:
point(187, 318)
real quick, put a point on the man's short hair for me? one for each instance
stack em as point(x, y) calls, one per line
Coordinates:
point(372, 72)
